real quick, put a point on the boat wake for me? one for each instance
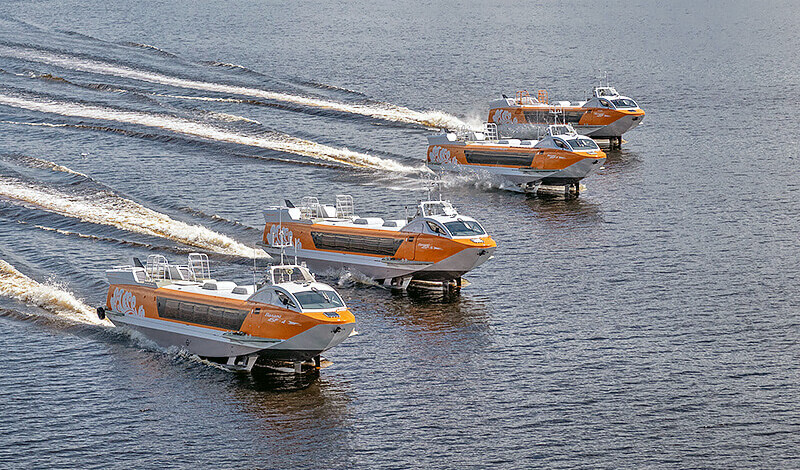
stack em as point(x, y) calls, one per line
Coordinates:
point(50, 297)
point(481, 181)
point(115, 241)
point(34, 162)
point(107, 208)
point(276, 141)
point(382, 111)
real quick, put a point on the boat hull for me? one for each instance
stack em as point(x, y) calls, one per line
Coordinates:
point(448, 269)
point(526, 178)
point(212, 343)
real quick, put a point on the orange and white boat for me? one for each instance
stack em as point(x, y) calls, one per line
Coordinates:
point(287, 317)
point(438, 244)
point(606, 115)
point(561, 158)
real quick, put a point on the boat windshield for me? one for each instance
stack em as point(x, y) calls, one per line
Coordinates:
point(624, 103)
point(462, 228)
point(582, 144)
point(317, 299)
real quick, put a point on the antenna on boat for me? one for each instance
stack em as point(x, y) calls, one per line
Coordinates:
point(600, 78)
point(280, 233)
point(255, 281)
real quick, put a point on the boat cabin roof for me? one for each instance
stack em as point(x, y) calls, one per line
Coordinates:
point(605, 92)
point(321, 214)
point(159, 274)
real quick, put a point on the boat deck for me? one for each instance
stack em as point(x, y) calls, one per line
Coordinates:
point(212, 288)
point(373, 223)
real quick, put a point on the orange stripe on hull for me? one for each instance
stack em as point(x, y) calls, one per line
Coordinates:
point(420, 247)
point(589, 117)
point(270, 321)
point(540, 159)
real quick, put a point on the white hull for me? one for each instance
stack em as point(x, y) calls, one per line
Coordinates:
point(524, 177)
point(208, 342)
point(386, 269)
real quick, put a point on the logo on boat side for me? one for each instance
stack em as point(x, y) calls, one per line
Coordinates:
point(279, 236)
point(124, 302)
point(441, 155)
point(428, 246)
point(503, 116)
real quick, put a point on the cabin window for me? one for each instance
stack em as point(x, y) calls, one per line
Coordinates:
point(436, 228)
point(285, 299)
point(186, 312)
point(606, 104)
point(561, 144)
point(317, 299)
point(356, 243)
point(625, 103)
point(582, 144)
point(201, 314)
point(465, 228)
point(415, 227)
point(538, 117)
point(170, 308)
point(494, 158)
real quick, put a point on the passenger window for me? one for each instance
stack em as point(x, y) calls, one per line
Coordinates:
point(435, 228)
point(284, 299)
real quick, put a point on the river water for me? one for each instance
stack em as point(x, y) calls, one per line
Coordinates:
point(652, 322)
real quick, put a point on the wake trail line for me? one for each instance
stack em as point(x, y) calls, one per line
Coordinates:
point(387, 112)
point(50, 297)
point(281, 142)
point(107, 208)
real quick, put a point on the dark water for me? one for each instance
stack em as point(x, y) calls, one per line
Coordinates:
point(651, 323)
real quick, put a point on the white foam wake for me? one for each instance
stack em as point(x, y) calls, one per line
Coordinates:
point(51, 297)
point(386, 111)
point(48, 165)
point(106, 208)
point(282, 143)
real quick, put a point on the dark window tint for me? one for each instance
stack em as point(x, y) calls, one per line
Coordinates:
point(318, 299)
point(624, 103)
point(561, 144)
point(464, 228)
point(200, 314)
point(490, 158)
point(436, 228)
point(356, 243)
point(540, 117)
point(582, 144)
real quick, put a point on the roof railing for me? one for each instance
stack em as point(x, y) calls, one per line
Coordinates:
point(541, 95)
point(289, 273)
point(344, 206)
point(490, 129)
point(431, 208)
point(157, 268)
point(523, 97)
point(561, 129)
point(199, 269)
point(309, 207)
